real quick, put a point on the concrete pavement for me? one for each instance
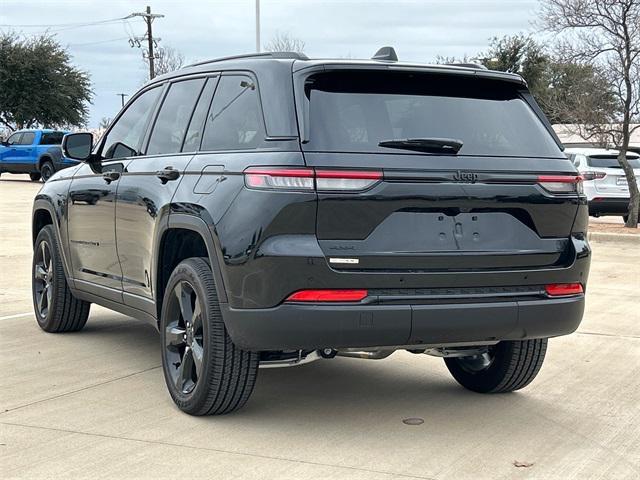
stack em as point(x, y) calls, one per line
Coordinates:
point(93, 404)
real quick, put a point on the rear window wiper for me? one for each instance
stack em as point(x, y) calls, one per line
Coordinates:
point(428, 145)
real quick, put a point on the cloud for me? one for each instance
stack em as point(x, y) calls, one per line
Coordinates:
point(419, 30)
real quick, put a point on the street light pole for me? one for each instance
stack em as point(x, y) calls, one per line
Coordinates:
point(122, 95)
point(258, 26)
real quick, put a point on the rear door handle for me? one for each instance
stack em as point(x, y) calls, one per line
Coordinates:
point(167, 174)
point(111, 176)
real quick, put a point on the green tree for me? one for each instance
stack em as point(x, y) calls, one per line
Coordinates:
point(522, 55)
point(39, 85)
point(575, 91)
point(564, 89)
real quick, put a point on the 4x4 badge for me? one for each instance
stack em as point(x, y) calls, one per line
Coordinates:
point(467, 177)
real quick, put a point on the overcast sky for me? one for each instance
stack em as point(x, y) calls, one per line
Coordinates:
point(419, 31)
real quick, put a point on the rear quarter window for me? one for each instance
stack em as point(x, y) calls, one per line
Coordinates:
point(51, 138)
point(354, 111)
point(235, 120)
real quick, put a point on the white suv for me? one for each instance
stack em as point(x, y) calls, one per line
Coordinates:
point(605, 183)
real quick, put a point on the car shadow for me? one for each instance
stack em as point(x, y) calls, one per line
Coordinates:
point(339, 389)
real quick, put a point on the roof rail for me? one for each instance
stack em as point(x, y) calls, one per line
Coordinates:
point(477, 66)
point(290, 55)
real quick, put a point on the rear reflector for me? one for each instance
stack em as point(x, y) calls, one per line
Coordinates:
point(561, 183)
point(560, 289)
point(307, 179)
point(327, 296)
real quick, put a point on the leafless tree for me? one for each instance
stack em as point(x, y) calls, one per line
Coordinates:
point(605, 34)
point(283, 42)
point(167, 59)
point(104, 123)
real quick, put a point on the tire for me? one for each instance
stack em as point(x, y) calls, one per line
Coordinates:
point(227, 374)
point(46, 170)
point(507, 366)
point(34, 176)
point(56, 309)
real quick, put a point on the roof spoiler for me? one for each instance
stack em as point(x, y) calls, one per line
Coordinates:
point(477, 66)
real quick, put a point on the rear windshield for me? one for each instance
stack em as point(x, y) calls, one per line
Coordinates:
point(51, 138)
point(611, 161)
point(354, 111)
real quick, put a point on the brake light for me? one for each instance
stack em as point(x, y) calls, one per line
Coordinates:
point(351, 295)
point(562, 289)
point(593, 175)
point(308, 179)
point(561, 183)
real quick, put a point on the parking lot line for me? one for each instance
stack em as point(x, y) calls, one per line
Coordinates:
point(17, 315)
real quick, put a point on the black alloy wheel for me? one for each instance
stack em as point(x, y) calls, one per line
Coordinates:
point(43, 279)
point(56, 309)
point(183, 339)
point(205, 372)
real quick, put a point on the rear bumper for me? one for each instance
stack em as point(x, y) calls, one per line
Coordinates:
point(609, 206)
point(302, 326)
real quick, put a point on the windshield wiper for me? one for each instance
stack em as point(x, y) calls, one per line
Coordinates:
point(428, 145)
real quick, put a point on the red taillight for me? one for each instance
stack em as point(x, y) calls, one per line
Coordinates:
point(561, 183)
point(560, 289)
point(340, 180)
point(327, 296)
point(308, 179)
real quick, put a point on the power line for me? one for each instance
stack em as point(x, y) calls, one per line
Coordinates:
point(96, 43)
point(74, 24)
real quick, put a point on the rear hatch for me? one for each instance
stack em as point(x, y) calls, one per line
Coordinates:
point(434, 172)
point(608, 176)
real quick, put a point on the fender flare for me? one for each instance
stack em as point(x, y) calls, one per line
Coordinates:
point(198, 225)
point(45, 157)
point(44, 203)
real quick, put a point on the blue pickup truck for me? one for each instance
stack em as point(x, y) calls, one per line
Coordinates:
point(36, 152)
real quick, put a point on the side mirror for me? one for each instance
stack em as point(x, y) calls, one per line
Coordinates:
point(77, 146)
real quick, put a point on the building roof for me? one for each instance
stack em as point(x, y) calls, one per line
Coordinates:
point(567, 135)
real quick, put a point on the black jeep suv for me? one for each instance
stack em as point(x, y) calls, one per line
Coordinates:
point(270, 210)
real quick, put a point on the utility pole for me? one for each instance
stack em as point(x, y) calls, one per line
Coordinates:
point(122, 95)
point(258, 26)
point(151, 42)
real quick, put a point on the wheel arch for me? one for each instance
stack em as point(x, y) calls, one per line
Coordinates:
point(184, 236)
point(43, 214)
point(45, 157)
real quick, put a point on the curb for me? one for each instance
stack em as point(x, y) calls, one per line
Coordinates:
point(617, 238)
